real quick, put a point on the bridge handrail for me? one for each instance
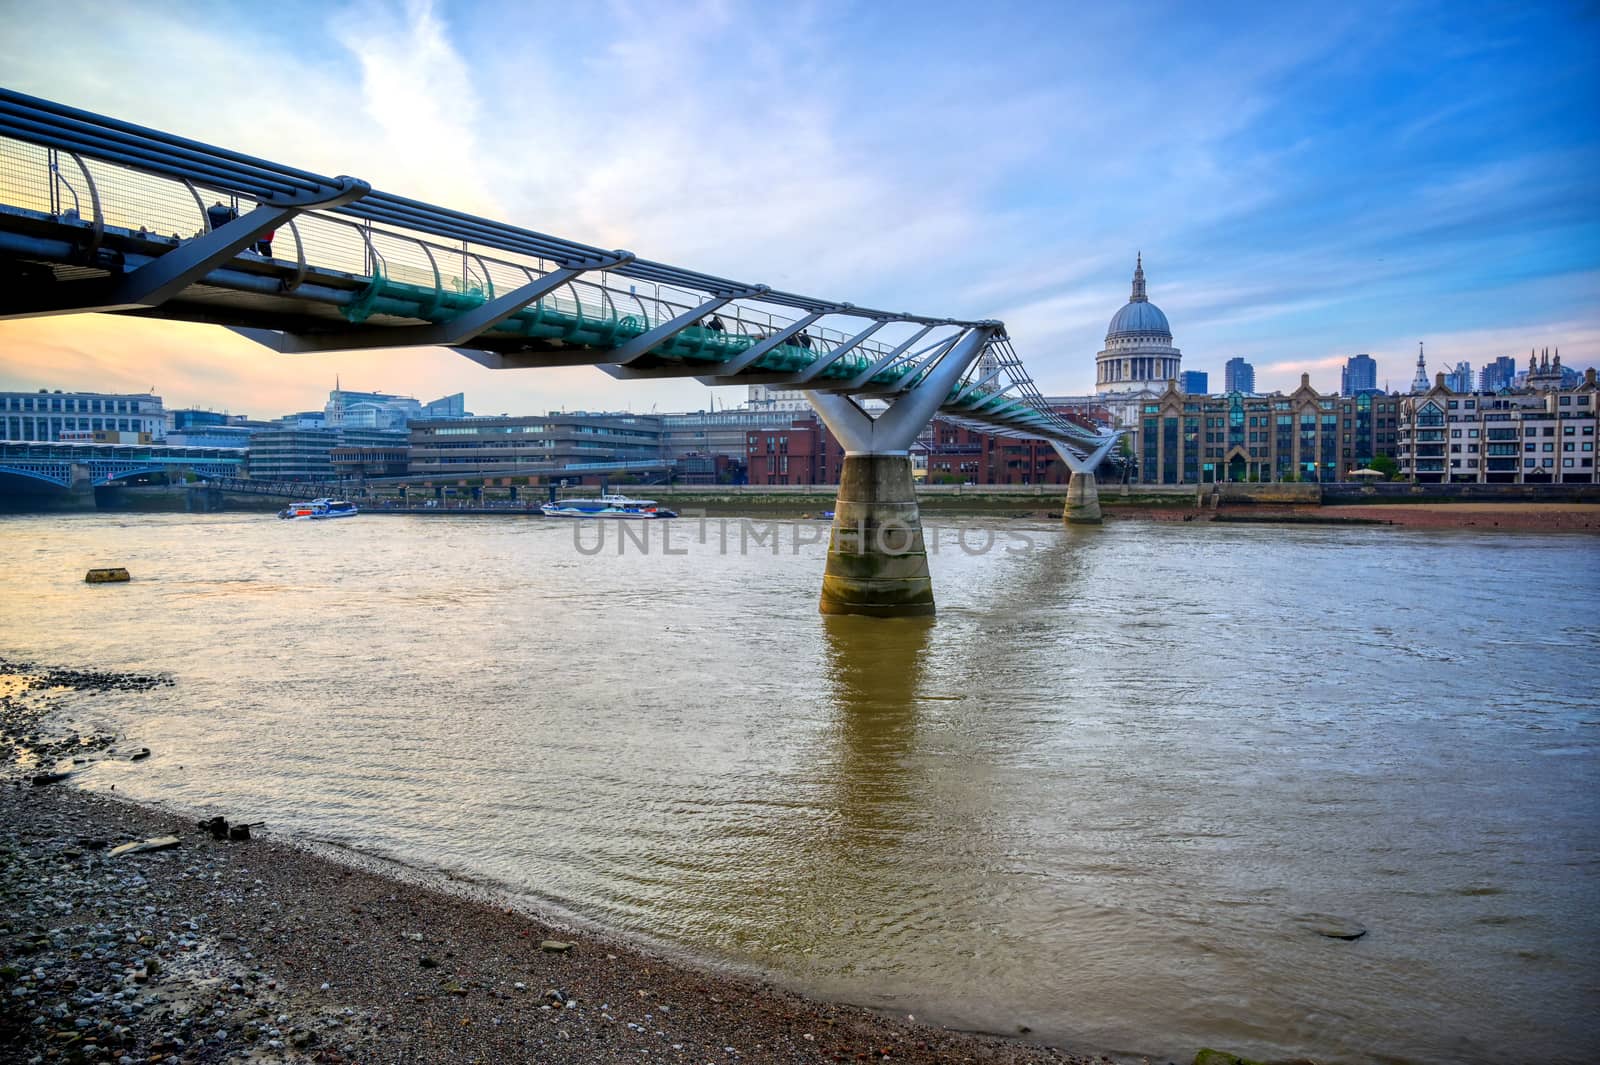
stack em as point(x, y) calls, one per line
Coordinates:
point(388, 225)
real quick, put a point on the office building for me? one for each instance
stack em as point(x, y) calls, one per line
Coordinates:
point(1497, 375)
point(767, 398)
point(1302, 436)
point(721, 432)
point(380, 410)
point(192, 427)
point(1194, 382)
point(1239, 376)
point(45, 415)
point(531, 444)
point(1360, 374)
point(306, 454)
point(1460, 378)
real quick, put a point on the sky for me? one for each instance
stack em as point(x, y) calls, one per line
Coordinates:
point(1305, 182)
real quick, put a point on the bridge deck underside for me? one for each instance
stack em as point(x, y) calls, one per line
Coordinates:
point(40, 256)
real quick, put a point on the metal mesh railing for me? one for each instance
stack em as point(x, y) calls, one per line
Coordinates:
point(434, 277)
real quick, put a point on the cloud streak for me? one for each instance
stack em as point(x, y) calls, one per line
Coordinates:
point(1302, 187)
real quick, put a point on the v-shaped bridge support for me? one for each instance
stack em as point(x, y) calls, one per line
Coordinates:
point(877, 561)
point(1082, 506)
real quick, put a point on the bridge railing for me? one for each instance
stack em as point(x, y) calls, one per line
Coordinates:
point(104, 194)
point(142, 181)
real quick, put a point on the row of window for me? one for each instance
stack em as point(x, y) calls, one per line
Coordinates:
point(44, 429)
point(68, 405)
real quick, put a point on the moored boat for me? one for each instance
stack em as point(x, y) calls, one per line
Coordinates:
point(606, 506)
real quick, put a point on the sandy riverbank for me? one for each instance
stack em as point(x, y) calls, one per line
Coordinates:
point(265, 951)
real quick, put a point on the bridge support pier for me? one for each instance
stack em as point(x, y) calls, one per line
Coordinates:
point(1083, 500)
point(80, 487)
point(1082, 506)
point(877, 562)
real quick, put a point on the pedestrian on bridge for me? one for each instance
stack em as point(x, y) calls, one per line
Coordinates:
point(220, 214)
point(715, 325)
point(264, 243)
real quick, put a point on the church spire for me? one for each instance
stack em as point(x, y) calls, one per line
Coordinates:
point(1420, 382)
point(1138, 281)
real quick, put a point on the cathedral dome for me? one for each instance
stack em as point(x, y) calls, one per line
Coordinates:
point(1139, 356)
point(1140, 316)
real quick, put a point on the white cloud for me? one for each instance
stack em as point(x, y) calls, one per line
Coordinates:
point(773, 148)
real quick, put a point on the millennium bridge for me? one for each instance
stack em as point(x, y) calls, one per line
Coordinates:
point(100, 215)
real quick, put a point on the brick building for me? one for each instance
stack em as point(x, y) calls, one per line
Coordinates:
point(803, 453)
point(1302, 436)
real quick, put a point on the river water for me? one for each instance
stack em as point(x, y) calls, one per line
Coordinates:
point(1099, 796)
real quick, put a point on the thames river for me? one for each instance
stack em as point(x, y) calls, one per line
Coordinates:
point(1108, 795)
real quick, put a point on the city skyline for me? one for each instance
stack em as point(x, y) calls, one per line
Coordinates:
point(1481, 248)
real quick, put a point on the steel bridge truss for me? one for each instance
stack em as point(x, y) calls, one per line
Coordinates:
point(103, 473)
point(362, 268)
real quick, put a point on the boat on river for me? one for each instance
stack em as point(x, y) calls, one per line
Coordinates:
point(606, 506)
point(318, 510)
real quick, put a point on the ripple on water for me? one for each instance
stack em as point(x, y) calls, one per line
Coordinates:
point(1092, 796)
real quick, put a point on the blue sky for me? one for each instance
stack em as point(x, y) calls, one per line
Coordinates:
point(1304, 183)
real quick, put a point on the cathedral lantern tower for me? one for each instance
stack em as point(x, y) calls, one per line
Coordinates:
point(1139, 355)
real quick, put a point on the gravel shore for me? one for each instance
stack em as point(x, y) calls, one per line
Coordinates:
point(215, 950)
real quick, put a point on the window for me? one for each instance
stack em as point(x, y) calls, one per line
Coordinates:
point(1455, 434)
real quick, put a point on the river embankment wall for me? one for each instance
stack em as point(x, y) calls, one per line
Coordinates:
point(950, 499)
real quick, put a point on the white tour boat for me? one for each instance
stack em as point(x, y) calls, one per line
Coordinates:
point(606, 506)
point(319, 509)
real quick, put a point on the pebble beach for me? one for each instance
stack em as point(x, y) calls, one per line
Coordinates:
point(199, 949)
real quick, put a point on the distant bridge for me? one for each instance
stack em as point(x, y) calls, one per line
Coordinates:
point(360, 486)
point(66, 464)
point(97, 214)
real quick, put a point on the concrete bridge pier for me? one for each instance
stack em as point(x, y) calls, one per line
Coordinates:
point(1083, 500)
point(1082, 506)
point(80, 487)
point(877, 560)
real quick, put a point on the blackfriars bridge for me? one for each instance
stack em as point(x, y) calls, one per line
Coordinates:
point(100, 215)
